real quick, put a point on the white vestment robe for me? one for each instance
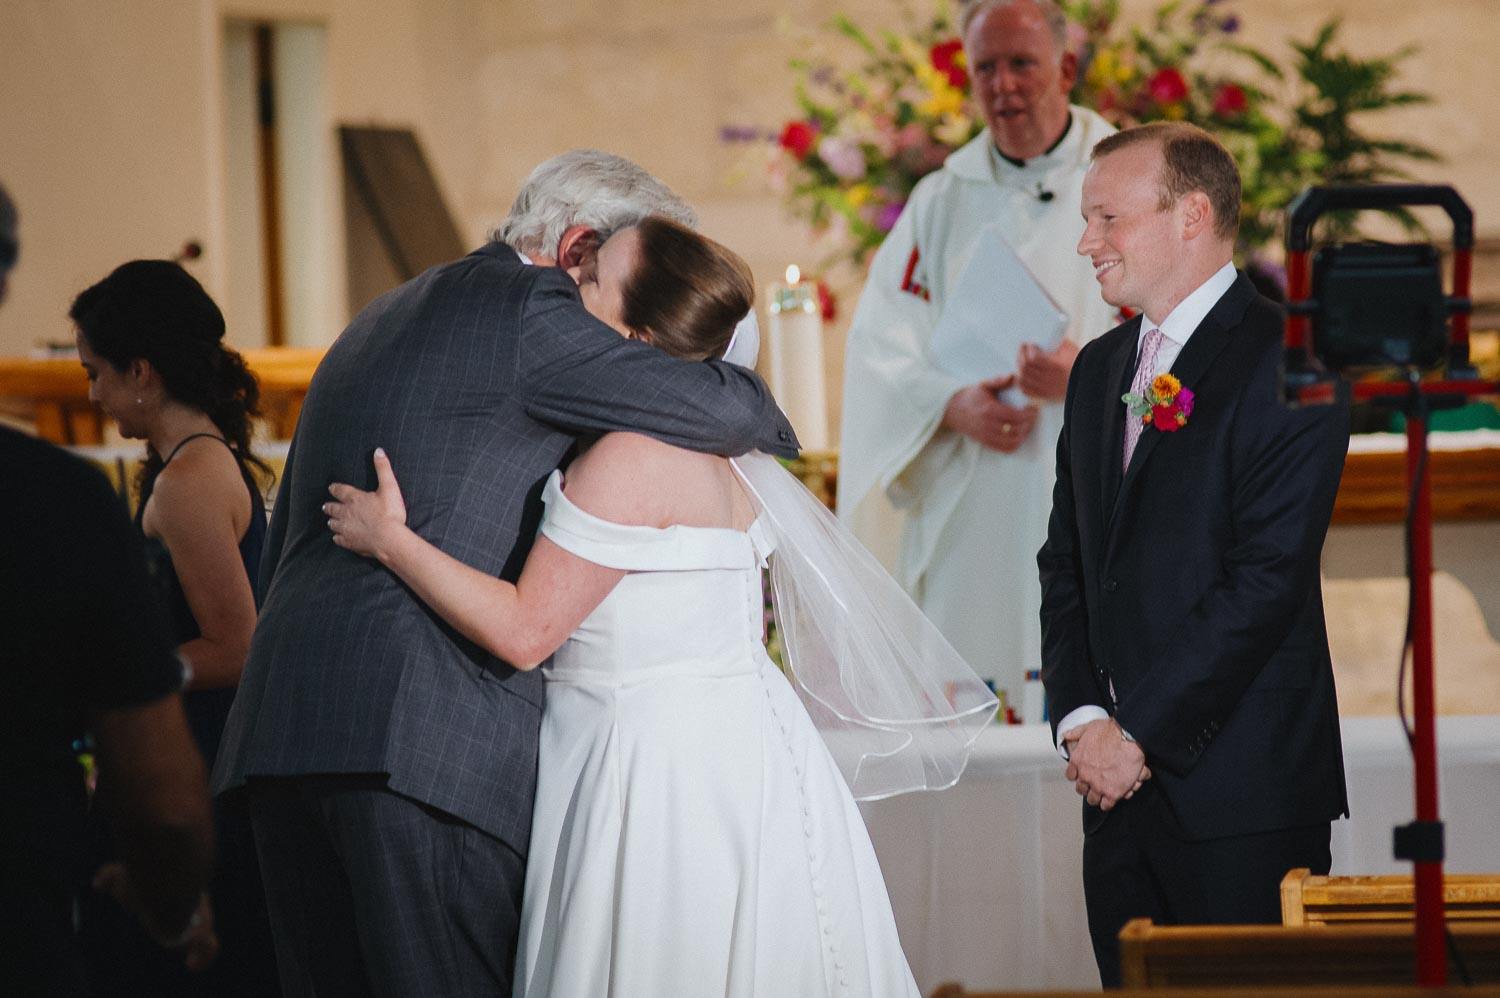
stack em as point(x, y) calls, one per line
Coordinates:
point(972, 519)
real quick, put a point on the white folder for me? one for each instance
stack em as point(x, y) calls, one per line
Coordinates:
point(996, 306)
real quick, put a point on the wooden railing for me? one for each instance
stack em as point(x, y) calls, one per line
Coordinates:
point(53, 393)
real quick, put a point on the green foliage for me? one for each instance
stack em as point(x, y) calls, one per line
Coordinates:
point(1289, 127)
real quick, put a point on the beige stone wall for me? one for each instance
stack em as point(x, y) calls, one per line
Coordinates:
point(112, 130)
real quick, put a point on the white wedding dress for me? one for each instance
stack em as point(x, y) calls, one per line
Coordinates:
point(692, 835)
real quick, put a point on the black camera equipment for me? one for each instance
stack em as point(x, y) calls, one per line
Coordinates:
point(1361, 309)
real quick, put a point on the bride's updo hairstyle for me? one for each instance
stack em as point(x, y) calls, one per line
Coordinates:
point(687, 293)
point(156, 311)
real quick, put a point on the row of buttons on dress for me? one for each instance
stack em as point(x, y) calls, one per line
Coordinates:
point(812, 848)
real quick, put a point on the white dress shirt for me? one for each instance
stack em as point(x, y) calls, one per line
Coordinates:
point(1176, 329)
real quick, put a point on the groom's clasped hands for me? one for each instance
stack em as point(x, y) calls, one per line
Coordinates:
point(1104, 765)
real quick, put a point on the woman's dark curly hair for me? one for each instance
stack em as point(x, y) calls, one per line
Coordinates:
point(156, 311)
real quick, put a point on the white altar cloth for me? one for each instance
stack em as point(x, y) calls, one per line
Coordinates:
point(985, 877)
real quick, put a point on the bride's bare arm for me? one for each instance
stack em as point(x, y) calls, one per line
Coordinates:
point(522, 623)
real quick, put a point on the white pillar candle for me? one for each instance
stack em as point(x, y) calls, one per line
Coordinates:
point(796, 347)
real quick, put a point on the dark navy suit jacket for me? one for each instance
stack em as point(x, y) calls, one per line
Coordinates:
point(1191, 581)
point(476, 377)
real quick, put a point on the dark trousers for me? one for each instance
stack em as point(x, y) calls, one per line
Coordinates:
point(375, 894)
point(1136, 866)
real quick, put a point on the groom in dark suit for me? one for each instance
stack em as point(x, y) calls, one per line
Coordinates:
point(390, 764)
point(1184, 651)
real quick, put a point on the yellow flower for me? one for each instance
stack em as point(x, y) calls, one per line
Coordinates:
point(942, 97)
point(1173, 111)
point(858, 195)
point(1102, 68)
point(1166, 386)
point(943, 104)
point(953, 129)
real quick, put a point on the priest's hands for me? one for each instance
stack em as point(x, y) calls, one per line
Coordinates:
point(975, 412)
point(1043, 374)
point(1103, 764)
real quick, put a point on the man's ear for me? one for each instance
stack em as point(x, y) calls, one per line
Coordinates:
point(1068, 71)
point(1196, 213)
point(578, 247)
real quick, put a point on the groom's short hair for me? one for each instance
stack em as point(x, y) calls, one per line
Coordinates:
point(1192, 160)
point(585, 187)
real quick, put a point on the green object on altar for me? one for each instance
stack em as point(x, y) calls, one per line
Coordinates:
point(1474, 416)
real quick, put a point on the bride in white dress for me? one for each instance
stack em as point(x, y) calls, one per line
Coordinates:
point(692, 833)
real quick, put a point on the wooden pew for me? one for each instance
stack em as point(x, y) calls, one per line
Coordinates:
point(1312, 900)
point(1200, 956)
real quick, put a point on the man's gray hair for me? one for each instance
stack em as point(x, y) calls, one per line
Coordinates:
point(1057, 20)
point(585, 187)
point(10, 243)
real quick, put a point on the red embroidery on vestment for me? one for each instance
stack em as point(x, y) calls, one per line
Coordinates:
point(907, 283)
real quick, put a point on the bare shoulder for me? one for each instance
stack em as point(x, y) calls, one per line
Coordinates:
point(202, 485)
point(635, 479)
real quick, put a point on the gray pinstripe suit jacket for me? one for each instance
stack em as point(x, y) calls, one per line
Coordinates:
point(476, 377)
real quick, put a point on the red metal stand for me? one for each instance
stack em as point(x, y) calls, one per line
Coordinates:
point(1422, 840)
point(1432, 957)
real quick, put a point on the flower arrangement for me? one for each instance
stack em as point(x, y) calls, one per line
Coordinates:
point(1165, 404)
point(1286, 130)
point(864, 135)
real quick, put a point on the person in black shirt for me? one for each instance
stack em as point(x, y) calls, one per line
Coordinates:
point(86, 653)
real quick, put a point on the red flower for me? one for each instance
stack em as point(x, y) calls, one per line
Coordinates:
point(827, 303)
point(798, 138)
point(1165, 418)
point(1230, 100)
point(1167, 86)
point(945, 59)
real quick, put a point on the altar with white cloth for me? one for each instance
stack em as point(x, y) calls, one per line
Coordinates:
point(986, 880)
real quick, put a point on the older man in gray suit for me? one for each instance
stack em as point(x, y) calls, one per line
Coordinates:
point(390, 764)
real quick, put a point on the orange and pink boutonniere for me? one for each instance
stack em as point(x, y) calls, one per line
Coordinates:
point(1165, 405)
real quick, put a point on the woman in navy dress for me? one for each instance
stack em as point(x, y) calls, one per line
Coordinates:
point(151, 340)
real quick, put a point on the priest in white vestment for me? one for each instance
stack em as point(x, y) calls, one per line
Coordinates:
point(969, 476)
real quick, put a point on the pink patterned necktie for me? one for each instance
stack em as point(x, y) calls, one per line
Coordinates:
point(1145, 371)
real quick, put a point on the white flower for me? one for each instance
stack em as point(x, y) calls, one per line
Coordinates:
point(844, 158)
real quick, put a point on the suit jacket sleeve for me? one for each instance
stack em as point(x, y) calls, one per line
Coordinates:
point(1286, 465)
point(582, 376)
point(1067, 670)
point(276, 529)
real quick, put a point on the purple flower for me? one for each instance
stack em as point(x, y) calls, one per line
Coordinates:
point(1185, 401)
point(1231, 25)
point(886, 220)
point(741, 133)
